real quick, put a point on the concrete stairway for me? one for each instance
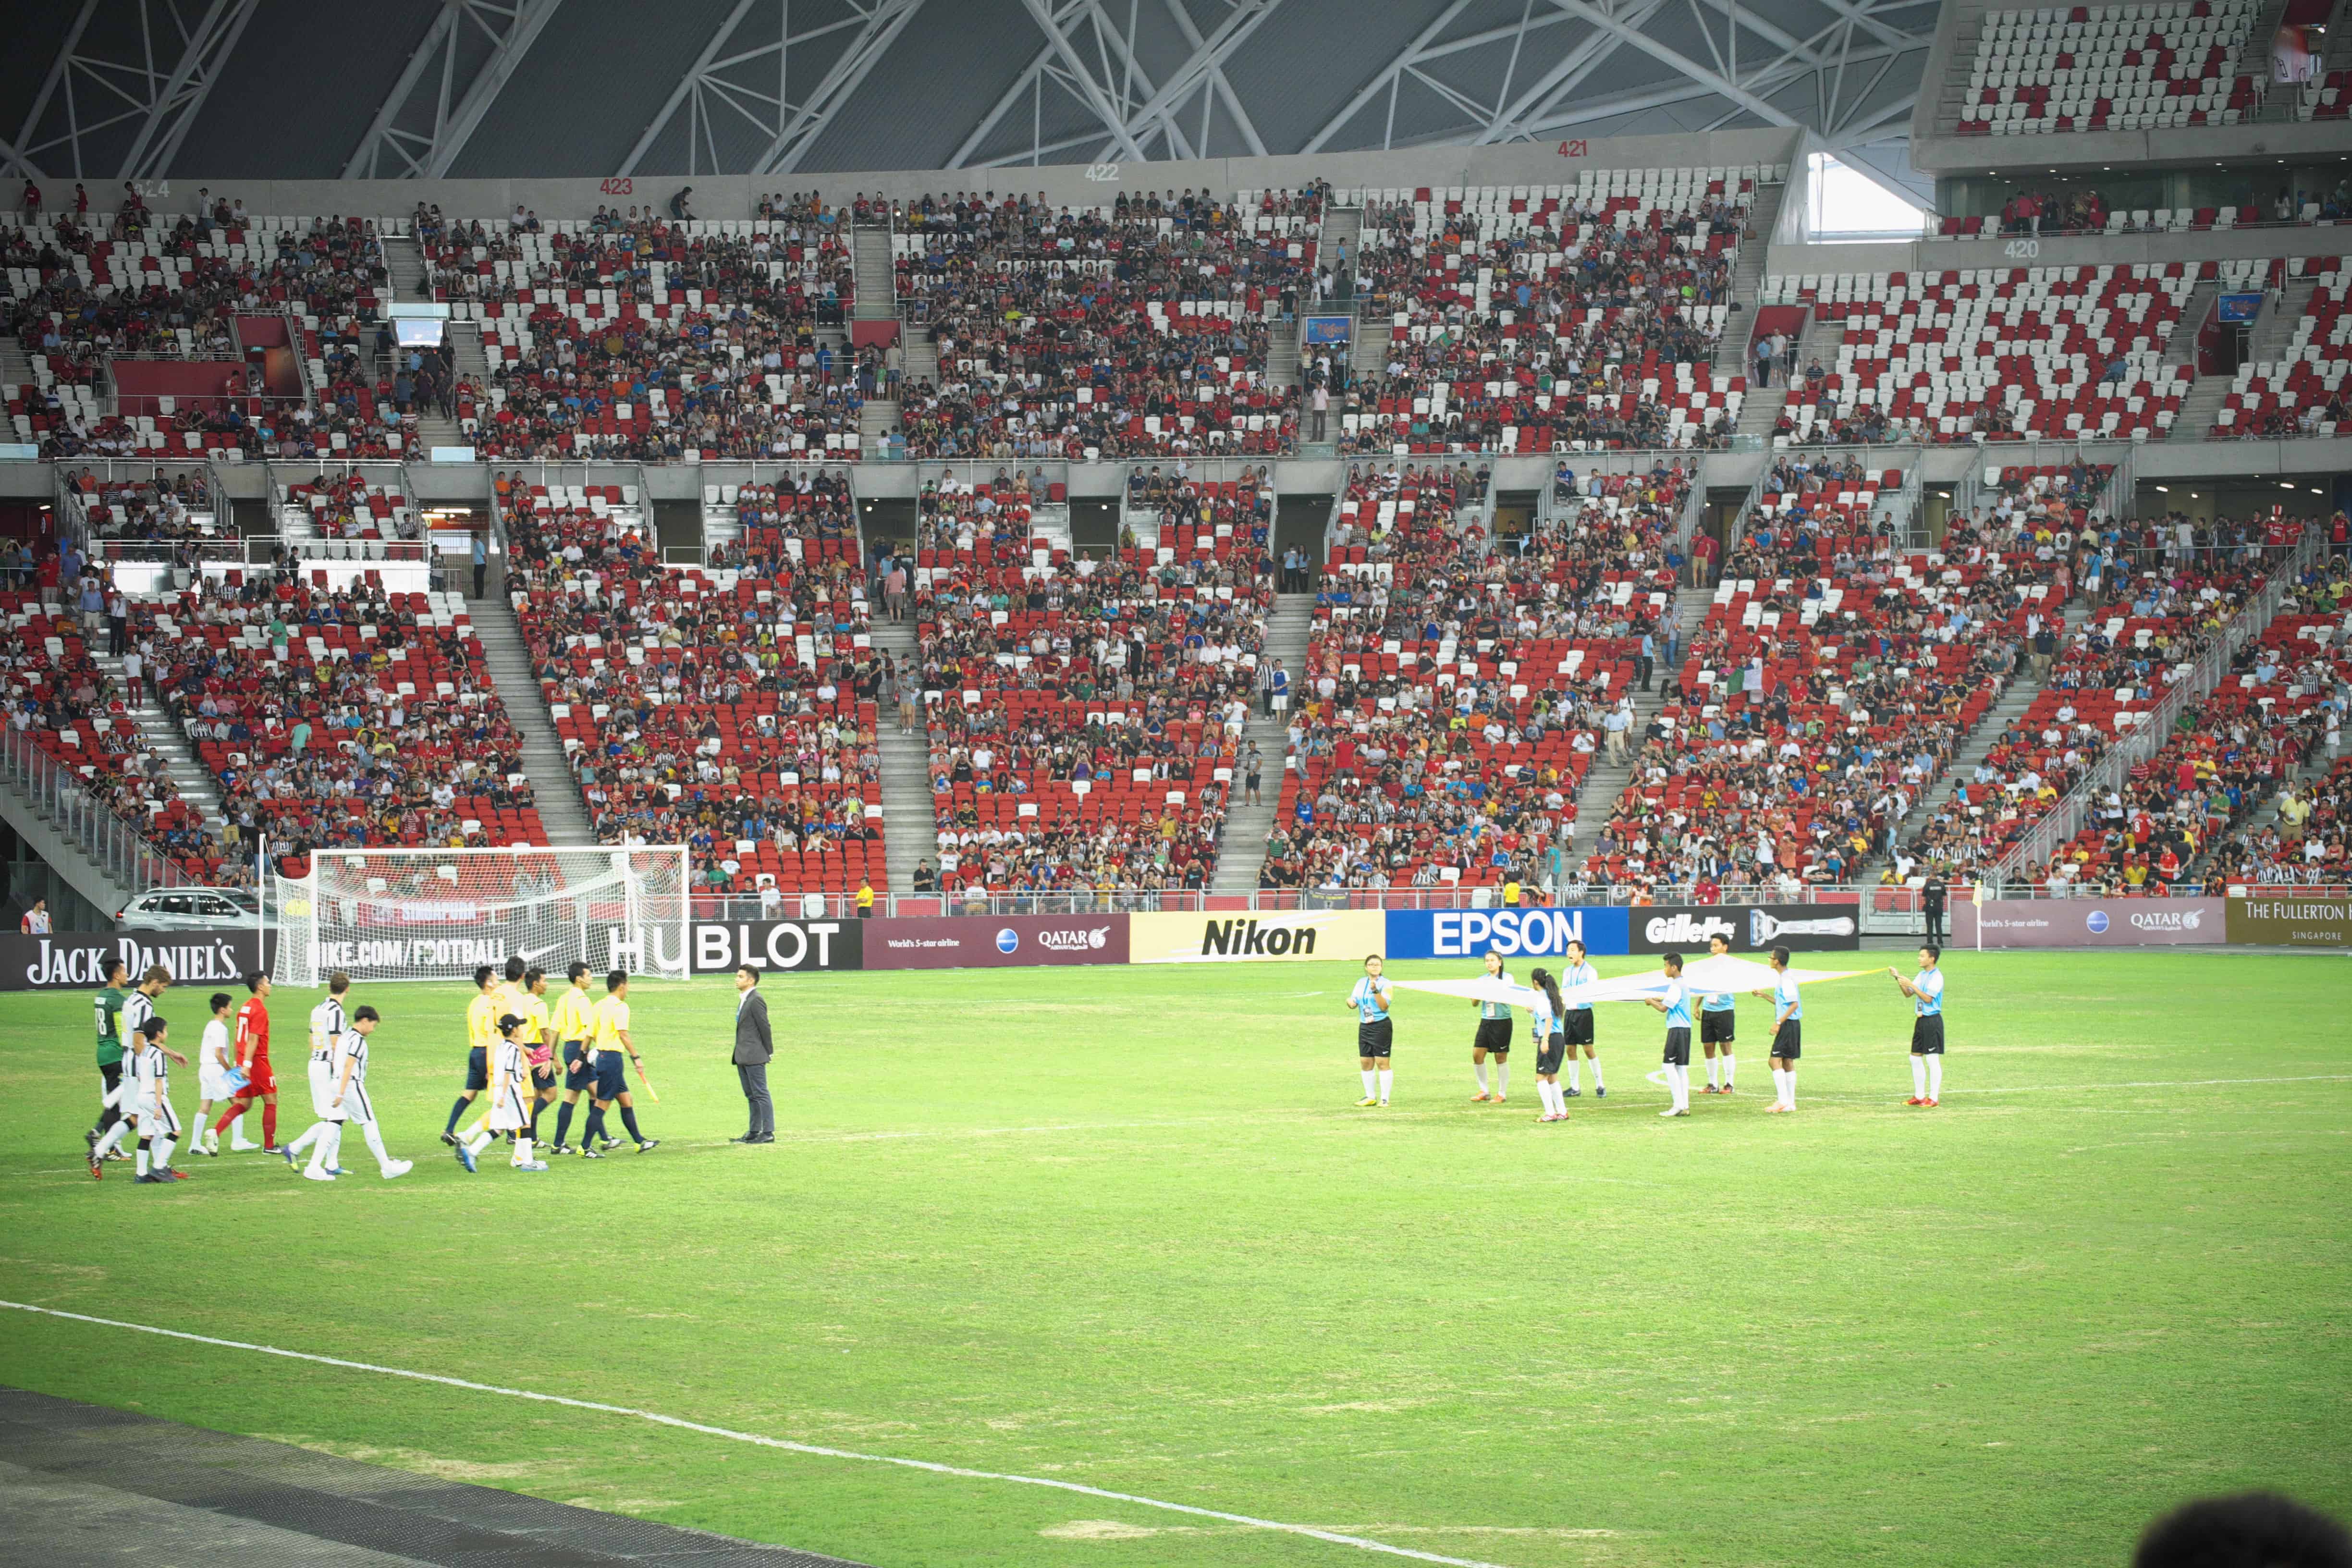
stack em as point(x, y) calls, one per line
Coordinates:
point(16, 364)
point(870, 251)
point(1605, 781)
point(1241, 852)
point(507, 657)
point(404, 258)
point(2282, 313)
point(196, 782)
point(909, 833)
point(1747, 281)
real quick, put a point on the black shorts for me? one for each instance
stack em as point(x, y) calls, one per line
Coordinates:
point(1494, 1034)
point(1677, 1048)
point(477, 1070)
point(577, 1073)
point(1578, 1025)
point(1548, 1053)
point(542, 1074)
point(1373, 1039)
point(1715, 1028)
point(1927, 1036)
point(1789, 1040)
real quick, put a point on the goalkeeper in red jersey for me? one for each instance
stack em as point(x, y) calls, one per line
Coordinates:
point(252, 1059)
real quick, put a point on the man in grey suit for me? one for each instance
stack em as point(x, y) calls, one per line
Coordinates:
point(753, 1046)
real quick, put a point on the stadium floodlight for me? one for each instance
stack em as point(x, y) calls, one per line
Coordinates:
point(435, 914)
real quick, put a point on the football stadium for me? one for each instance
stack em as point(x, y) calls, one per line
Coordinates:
point(1184, 782)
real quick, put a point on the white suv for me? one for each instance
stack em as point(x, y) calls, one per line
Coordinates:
point(188, 909)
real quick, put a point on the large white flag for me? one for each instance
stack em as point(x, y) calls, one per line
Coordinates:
point(1701, 976)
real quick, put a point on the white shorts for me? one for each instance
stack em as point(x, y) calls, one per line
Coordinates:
point(212, 1083)
point(323, 1090)
point(506, 1113)
point(357, 1106)
point(156, 1118)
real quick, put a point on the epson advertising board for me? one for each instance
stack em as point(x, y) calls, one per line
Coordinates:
point(1514, 934)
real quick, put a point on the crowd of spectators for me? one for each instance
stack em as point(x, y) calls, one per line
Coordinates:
point(634, 336)
point(1138, 329)
point(1545, 323)
point(1458, 689)
point(732, 708)
point(335, 719)
point(1084, 715)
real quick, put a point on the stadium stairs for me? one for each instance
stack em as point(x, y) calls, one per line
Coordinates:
point(2282, 313)
point(909, 833)
point(404, 258)
point(2010, 707)
point(196, 783)
point(507, 657)
point(16, 364)
point(1731, 351)
point(1605, 779)
point(1241, 854)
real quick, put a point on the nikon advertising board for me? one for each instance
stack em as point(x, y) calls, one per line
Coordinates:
point(1751, 928)
point(1258, 936)
point(2289, 921)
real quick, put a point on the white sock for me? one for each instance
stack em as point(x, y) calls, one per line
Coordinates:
point(1386, 1074)
point(1934, 1077)
point(1711, 1070)
point(1731, 1066)
point(1367, 1083)
point(1919, 1077)
point(1780, 1086)
point(479, 1124)
point(1789, 1091)
point(141, 1157)
point(477, 1142)
point(1681, 1088)
point(235, 1130)
point(1573, 1073)
point(1596, 1072)
point(309, 1136)
point(522, 1149)
point(1502, 1079)
point(163, 1147)
point(112, 1141)
point(374, 1137)
point(321, 1138)
point(1480, 1068)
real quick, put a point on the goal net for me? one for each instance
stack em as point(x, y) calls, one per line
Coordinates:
point(436, 914)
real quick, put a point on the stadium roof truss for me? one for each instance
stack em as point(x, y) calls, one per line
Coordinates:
point(119, 95)
point(779, 86)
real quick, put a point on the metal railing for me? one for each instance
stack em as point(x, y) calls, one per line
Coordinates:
point(2059, 826)
point(63, 799)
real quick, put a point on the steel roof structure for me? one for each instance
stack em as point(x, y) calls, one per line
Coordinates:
point(143, 89)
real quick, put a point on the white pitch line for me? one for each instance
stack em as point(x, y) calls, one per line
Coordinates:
point(1335, 1537)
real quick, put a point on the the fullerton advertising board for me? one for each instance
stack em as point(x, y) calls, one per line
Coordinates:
point(2290, 921)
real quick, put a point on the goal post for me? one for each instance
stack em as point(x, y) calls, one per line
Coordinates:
point(438, 914)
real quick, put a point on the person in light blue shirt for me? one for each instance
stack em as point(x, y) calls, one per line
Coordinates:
point(1544, 1023)
point(1788, 1031)
point(1674, 1002)
point(1718, 1017)
point(1575, 1024)
point(1925, 990)
point(1494, 1037)
point(1369, 998)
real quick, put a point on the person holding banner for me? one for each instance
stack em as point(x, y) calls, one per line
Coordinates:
point(1787, 1033)
point(1925, 990)
point(1494, 1037)
point(1576, 1021)
point(1674, 1002)
point(1371, 997)
point(1551, 1045)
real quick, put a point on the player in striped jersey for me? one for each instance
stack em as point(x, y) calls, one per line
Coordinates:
point(352, 1096)
point(510, 1096)
point(138, 1012)
point(158, 1124)
point(324, 1137)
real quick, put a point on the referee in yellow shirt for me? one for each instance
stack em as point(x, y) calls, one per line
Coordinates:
point(481, 1033)
point(575, 1021)
point(612, 1042)
point(519, 997)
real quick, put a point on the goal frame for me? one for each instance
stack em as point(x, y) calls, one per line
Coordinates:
point(641, 937)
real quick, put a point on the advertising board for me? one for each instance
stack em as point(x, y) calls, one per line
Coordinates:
point(1259, 936)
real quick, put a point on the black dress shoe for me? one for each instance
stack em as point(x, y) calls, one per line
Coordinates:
point(763, 1137)
point(744, 1138)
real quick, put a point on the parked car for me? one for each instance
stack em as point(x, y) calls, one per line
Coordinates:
point(188, 909)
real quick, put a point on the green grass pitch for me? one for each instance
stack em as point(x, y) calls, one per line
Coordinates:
point(1125, 1227)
